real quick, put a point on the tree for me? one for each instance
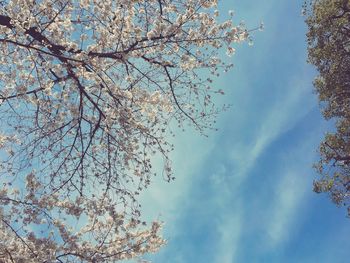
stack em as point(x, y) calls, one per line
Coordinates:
point(88, 91)
point(329, 51)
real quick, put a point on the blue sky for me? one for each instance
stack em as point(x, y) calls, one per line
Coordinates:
point(245, 193)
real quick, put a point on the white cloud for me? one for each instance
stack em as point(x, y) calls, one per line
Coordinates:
point(230, 229)
point(283, 215)
point(292, 190)
point(168, 199)
point(280, 118)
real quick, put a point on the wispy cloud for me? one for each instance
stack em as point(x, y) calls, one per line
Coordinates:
point(280, 117)
point(230, 229)
point(290, 193)
point(167, 199)
point(287, 198)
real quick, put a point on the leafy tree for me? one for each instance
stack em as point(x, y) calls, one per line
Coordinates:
point(329, 51)
point(87, 92)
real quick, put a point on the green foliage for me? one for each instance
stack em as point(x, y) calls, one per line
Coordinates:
point(329, 50)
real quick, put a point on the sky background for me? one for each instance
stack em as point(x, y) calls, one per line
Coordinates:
point(245, 193)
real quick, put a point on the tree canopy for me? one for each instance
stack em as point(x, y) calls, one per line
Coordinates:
point(329, 50)
point(88, 90)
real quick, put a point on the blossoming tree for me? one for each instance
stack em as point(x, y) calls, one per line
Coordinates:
point(87, 91)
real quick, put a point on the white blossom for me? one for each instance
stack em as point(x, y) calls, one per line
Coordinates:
point(88, 90)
